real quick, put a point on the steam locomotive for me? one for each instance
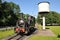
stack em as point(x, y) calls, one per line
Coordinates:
point(27, 25)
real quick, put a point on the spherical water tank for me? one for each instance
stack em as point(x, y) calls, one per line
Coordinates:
point(43, 7)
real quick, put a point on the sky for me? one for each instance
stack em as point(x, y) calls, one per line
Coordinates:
point(31, 6)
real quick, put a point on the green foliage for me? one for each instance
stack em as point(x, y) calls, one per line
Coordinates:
point(52, 18)
point(38, 19)
point(8, 13)
point(0, 1)
point(26, 17)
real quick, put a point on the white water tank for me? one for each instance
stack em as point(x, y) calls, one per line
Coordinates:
point(43, 7)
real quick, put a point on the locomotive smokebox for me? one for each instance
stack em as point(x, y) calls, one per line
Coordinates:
point(43, 7)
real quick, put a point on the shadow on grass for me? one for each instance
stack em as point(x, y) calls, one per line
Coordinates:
point(58, 36)
point(47, 28)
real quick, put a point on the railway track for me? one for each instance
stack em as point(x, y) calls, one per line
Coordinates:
point(19, 37)
point(15, 37)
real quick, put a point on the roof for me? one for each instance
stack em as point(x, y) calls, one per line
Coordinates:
point(44, 2)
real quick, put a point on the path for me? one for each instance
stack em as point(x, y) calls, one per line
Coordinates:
point(46, 32)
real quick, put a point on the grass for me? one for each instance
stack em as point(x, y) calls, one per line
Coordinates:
point(5, 33)
point(43, 38)
point(55, 29)
point(39, 27)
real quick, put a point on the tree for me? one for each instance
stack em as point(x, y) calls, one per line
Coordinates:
point(0, 1)
point(51, 18)
point(8, 11)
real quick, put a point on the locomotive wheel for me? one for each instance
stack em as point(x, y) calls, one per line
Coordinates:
point(32, 29)
point(21, 33)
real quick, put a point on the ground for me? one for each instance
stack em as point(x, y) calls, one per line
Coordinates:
point(5, 33)
point(46, 32)
point(50, 34)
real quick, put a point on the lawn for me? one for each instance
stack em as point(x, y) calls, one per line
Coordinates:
point(43, 38)
point(5, 33)
point(55, 29)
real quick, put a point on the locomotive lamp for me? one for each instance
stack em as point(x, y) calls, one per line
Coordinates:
point(43, 8)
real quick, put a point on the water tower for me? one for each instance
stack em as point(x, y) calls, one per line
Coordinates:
point(43, 8)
